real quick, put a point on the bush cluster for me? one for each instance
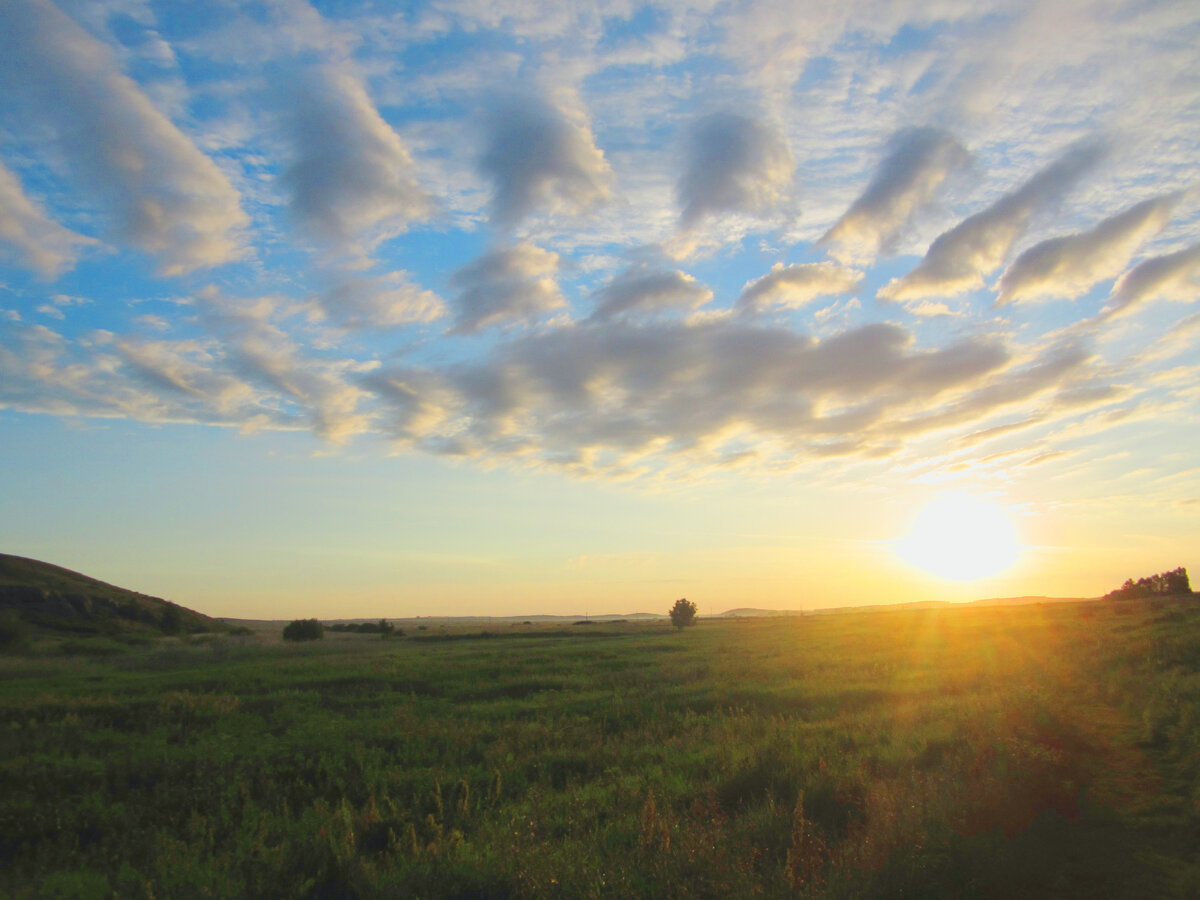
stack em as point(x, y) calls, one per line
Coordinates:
point(303, 630)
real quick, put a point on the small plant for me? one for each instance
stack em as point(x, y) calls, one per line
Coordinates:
point(683, 613)
point(303, 630)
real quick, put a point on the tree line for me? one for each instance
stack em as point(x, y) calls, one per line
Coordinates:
point(1160, 585)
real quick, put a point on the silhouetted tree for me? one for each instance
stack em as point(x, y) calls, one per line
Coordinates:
point(1162, 584)
point(683, 613)
point(303, 630)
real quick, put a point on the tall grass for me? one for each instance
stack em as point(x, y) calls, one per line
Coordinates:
point(1036, 751)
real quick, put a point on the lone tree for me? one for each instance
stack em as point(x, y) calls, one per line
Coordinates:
point(304, 630)
point(683, 613)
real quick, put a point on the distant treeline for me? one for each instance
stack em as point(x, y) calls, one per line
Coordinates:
point(1162, 584)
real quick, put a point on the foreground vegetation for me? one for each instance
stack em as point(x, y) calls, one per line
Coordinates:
point(968, 752)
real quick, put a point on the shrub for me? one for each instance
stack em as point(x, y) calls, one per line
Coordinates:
point(14, 633)
point(172, 621)
point(303, 630)
point(683, 613)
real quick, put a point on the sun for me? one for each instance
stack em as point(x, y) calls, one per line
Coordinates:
point(959, 537)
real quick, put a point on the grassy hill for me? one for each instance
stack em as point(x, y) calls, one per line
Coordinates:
point(51, 598)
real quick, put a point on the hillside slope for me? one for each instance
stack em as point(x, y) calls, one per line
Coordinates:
point(54, 598)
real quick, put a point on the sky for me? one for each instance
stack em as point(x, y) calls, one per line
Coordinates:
point(500, 308)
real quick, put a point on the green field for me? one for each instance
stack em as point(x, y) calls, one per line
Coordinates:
point(1047, 750)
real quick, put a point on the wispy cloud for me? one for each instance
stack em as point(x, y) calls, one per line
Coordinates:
point(257, 350)
point(791, 287)
point(379, 301)
point(33, 238)
point(958, 260)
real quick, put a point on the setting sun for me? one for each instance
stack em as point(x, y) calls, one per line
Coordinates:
point(961, 538)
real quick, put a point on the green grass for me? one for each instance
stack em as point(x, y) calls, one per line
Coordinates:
point(1048, 751)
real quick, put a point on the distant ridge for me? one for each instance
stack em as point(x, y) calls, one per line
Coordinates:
point(57, 599)
point(747, 612)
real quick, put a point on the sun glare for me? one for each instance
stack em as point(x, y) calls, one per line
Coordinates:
point(961, 538)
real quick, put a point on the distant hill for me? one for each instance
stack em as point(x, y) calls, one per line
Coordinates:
point(749, 612)
point(56, 599)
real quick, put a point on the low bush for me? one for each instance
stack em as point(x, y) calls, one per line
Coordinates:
point(303, 630)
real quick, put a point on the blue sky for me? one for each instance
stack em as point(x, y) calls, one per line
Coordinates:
point(516, 307)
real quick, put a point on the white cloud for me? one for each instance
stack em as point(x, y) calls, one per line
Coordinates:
point(39, 242)
point(793, 286)
point(918, 162)
point(541, 155)
point(643, 291)
point(733, 164)
point(379, 301)
point(1172, 277)
point(1068, 266)
point(169, 199)
point(506, 286)
point(959, 258)
point(353, 182)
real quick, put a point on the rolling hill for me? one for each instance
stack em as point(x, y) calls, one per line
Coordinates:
point(56, 599)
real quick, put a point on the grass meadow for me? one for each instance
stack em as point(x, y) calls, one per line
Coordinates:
point(1039, 751)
